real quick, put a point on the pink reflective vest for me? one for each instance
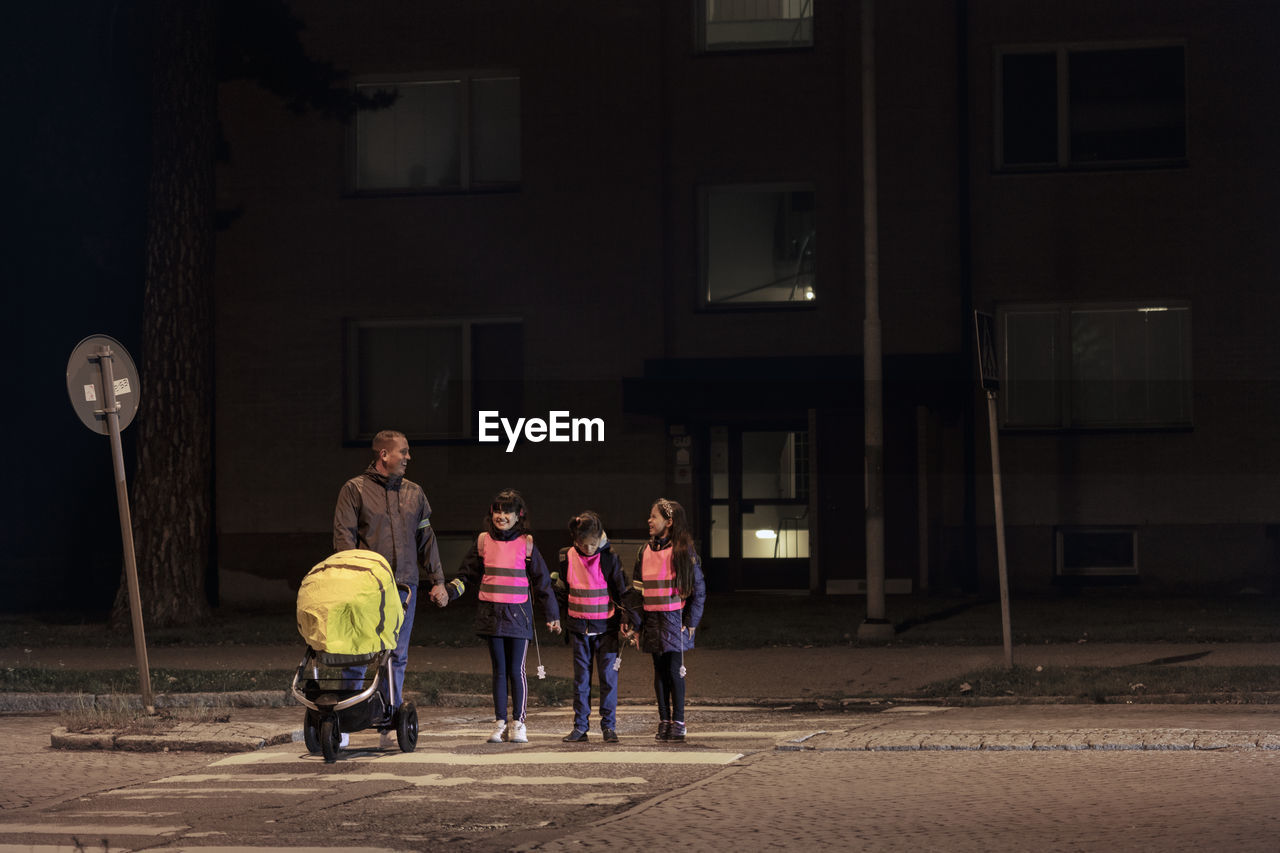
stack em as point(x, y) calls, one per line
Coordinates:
point(659, 578)
point(588, 592)
point(505, 580)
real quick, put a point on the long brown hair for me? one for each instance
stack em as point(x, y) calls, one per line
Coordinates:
point(681, 543)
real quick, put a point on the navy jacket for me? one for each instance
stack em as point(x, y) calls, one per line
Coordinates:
point(611, 568)
point(660, 629)
point(495, 619)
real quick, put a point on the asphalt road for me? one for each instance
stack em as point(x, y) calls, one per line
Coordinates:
point(749, 778)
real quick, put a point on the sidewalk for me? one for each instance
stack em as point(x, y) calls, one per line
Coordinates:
point(818, 678)
point(751, 676)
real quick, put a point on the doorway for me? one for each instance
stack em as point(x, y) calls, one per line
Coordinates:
point(759, 506)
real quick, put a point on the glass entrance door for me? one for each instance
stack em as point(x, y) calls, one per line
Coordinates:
point(759, 489)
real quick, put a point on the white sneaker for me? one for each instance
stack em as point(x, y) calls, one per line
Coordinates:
point(518, 734)
point(499, 732)
point(389, 740)
point(344, 740)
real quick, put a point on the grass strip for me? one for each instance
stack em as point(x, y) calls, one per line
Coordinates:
point(122, 717)
point(1104, 684)
point(45, 679)
point(757, 620)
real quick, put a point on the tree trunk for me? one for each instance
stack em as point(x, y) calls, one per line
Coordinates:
point(173, 484)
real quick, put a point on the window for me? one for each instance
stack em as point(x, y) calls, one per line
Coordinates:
point(758, 245)
point(428, 378)
point(449, 134)
point(1096, 366)
point(754, 24)
point(769, 487)
point(1097, 551)
point(1088, 107)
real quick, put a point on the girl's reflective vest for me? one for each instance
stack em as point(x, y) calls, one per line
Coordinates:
point(588, 592)
point(659, 577)
point(505, 580)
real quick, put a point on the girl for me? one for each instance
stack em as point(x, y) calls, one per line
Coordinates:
point(505, 565)
point(668, 593)
point(591, 581)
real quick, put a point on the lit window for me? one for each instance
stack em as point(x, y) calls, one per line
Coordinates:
point(1096, 366)
point(754, 24)
point(1088, 107)
point(450, 134)
point(429, 378)
point(758, 245)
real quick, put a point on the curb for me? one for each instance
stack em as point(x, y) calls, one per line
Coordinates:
point(1076, 740)
point(31, 703)
point(197, 737)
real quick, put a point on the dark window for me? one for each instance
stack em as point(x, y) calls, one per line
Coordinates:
point(1030, 108)
point(1128, 105)
point(1097, 551)
point(448, 134)
point(429, 378)
point(1096, 367)
point(1086, 107)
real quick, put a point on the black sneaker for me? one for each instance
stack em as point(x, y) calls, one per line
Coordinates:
point(610, 736)
point(576, 736)
point(677, 732)
point(664, 731)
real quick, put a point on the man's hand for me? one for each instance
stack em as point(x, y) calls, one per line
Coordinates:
point(439, 595)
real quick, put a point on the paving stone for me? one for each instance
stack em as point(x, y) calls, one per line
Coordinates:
point(1226, 740)
point(196, 737)
point(1168, 739)
point(999, 741)
point(1268, 740)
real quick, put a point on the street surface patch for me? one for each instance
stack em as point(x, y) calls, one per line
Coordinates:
point(512, 758)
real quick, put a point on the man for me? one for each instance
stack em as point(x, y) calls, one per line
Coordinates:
point(382, 511)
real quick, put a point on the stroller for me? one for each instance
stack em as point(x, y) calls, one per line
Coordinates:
point(349, 614)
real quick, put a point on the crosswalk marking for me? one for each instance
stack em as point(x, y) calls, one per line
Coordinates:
point(91, 829)
point(272, 849)
point(63, 848)
point(124, 814)
point(153, 793)
point(507, 757)
point(160, 788)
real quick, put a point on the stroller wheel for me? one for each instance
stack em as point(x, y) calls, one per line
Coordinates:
point(330, 738)
point(407, 727)
point(311, 732)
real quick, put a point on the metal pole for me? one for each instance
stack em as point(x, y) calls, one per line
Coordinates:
point(998, 497)
point(815, 508)
point(875, 626)
point(922, 496)
point(111, 409)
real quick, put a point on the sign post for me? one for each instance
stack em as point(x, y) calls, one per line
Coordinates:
point(103, 385)
point(989, 372)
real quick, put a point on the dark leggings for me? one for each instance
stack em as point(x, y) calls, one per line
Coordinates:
point(506, 654)
point(669, 686)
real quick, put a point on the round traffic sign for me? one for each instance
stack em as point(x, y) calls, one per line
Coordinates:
point(84, 382)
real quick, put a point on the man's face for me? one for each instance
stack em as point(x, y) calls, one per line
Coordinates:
point(395, 459)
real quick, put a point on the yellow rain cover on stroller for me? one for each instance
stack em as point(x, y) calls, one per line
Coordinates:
point(349, 605)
